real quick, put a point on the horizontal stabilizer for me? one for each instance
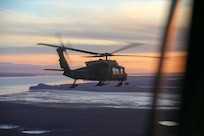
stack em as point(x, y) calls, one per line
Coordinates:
point(54, 69)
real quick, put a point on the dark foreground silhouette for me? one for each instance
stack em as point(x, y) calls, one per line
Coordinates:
point(79, 120)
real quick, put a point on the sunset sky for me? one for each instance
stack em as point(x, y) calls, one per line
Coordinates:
point(99, 26)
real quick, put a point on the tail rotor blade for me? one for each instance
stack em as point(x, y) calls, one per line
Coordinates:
point(59, 38)
point(67, 55)
point(69, 44)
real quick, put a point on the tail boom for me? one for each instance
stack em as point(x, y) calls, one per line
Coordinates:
point(63, 63)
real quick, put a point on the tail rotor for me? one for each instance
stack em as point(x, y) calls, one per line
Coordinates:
point(59, 38)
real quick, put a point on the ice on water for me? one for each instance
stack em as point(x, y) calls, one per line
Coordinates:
point(104, 99)
point(110, 99)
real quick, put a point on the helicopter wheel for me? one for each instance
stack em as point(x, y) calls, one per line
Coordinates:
point(102, 83)
point(74, 84)
point(122, 83)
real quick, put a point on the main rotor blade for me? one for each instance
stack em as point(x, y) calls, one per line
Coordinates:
point(127, 47)
point(94, 56)
point(123, 56)
point(51, 45)
point(83, 51)
point(72, 49)
point(54, 69)
point(137, 56)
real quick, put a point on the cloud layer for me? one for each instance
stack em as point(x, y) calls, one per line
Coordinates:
point(101, 26)
point(103, 22)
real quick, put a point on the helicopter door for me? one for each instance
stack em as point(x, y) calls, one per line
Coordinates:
point(118, 73)
point(115, 72)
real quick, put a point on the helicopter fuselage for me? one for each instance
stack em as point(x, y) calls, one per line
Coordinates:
point(99, 70)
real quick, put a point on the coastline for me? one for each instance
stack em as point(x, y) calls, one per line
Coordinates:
point(135, 84)
point(54, 111)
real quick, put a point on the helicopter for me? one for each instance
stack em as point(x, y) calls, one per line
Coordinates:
point(100, 70)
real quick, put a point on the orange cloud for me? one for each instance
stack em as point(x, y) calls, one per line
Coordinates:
point(174, 63)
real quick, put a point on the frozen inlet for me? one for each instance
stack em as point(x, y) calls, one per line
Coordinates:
point(6, 126)
point(168, 123)
point(34, 131)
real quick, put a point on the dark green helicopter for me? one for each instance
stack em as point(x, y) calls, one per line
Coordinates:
point(98, 70)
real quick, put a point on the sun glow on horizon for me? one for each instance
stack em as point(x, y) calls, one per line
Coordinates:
point(174, 63)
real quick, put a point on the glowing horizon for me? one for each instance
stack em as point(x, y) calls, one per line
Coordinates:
point(175, 61)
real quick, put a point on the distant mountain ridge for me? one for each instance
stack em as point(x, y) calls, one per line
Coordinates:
point(8, 69)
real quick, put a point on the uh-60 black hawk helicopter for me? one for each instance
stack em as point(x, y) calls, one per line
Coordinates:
point(98, 70)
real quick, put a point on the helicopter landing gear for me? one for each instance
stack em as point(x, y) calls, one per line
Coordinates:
point(74, 84)
point(121, 83)
point(101, 83)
